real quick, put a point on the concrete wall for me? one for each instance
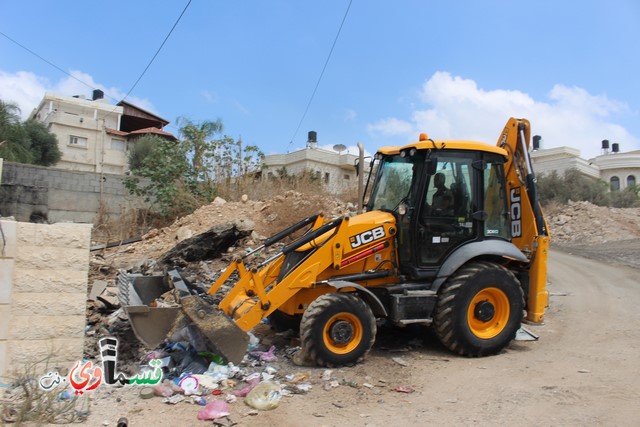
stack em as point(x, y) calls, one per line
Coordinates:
point(43, 291)
point(61, 195)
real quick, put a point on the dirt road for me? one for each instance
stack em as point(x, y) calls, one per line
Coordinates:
point(582, 371)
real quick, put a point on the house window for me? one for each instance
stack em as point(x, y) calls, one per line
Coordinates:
point(631, 181)
point(326, 177)
point(77, 141)
point(346, 176)
point(614, 183)
point(118, 144)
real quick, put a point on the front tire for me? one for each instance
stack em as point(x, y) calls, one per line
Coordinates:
point(479, 309)
point(337, 329)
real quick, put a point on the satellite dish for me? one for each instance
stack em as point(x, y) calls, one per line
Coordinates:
point(339, 148)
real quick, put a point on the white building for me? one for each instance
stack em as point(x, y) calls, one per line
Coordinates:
point(94, 135)
point(620, 170)
point(336, 170)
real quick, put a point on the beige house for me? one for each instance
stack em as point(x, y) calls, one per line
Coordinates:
point(620, 170)
point(94, 135)
point(336, 170)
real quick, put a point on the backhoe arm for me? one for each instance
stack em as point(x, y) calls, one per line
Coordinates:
point(529, 229)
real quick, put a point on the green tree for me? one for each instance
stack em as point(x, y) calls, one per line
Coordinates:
point(28, 142)
point(197, 142)
point(165, 170)
point(140, 149)
point(44, 144)
point(14, 140)
point(575, 186)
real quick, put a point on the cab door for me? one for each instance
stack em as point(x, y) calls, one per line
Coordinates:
point(445, 220)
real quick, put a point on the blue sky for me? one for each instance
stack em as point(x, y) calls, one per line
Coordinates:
point(451, 69)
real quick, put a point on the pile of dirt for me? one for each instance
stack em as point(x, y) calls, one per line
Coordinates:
point(585, 223)
point(602, 233)
point(263, 217)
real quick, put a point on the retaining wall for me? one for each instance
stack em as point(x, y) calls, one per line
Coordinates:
point(37, 193)
point(43, 291)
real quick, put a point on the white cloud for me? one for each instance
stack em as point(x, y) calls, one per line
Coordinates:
point(210, 97)
point(350, 115)
point(27, 89)
point(457, 108)
point(391, 126)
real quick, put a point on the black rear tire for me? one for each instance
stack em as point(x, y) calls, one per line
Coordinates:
point(479, 309)
point(337, 329)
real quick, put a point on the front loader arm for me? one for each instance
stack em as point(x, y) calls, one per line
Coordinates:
point(529, 230)
point(260, 291)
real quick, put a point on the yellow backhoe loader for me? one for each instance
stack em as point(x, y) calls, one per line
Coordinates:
point(453, 237)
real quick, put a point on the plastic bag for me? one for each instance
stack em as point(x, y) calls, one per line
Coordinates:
point(265, 396)
point(214, 410)
point(265, 356)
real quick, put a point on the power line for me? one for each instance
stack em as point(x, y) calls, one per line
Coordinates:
point(158, 51)
point(321, 74)
point(88, 85)
point(50, 63)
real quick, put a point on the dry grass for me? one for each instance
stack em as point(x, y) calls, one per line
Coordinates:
point(289, 200)
point(25, 401)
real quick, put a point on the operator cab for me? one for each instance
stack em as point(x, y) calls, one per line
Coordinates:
point(444, 195)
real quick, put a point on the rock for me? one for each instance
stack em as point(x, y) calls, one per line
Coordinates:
point(183, 233)
point(244, 198)
point(219, 201)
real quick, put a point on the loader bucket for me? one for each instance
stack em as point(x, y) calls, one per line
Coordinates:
point(152, 325)
point(221, 334)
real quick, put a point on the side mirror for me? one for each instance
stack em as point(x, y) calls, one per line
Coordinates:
point(431, 165)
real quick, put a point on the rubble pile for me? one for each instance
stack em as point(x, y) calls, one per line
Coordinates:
point(586, 223)
point(201, 244)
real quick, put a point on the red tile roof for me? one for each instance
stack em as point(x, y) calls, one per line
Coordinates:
point(154, 131)
point(116, 132)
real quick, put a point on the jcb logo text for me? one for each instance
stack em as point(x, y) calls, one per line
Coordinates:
point(516, 213)
point(366, 237)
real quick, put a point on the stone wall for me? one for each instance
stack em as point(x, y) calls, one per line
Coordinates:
point(32, 193)
point(43, 292)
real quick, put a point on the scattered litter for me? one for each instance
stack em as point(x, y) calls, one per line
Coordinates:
point(584, 371)
point(404, 389)
point(353, 384)
point(326, 375)
point(206, 381)
point(147, 393)
point(304, 387)
point(251, 383)
point(176, 398)
point(298, 377)
point(264, 396)
point(189, 385)
point(253, 342)
point(265, 356)
point(163, 390)
point(400, 361)
point(367, 385)
point(214, 410)
point(199, 400)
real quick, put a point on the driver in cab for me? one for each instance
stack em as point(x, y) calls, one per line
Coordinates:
point(442, 200)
